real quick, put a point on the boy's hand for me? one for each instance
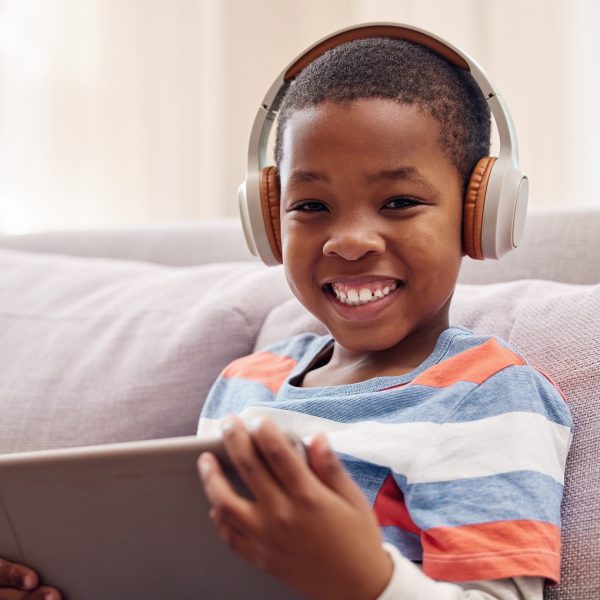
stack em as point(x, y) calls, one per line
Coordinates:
point(310, 526)
point(18, 582)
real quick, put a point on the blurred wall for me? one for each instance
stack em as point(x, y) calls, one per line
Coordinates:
point(123, 111)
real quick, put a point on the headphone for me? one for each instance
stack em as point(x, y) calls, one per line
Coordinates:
point(495, 202)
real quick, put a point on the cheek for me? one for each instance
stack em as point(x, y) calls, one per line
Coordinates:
point(436, 254)
point(301, 286)
point(437, 237)
point(290, 248)
point(294, 260)
point(301, 242)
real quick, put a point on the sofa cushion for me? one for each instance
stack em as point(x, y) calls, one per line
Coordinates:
point(557, 327)
point(96, 350)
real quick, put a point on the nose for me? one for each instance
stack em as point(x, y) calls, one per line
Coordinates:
point(353, 242)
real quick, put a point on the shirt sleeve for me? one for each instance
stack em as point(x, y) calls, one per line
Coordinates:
point(486, 491)
point(408, 581)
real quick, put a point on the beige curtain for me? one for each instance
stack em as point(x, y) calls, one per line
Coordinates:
point(127, 111)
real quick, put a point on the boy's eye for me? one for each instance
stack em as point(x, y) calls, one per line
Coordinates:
point(401, 202)
point(309, 206)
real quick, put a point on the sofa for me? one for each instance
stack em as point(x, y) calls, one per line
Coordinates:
point(116, 335)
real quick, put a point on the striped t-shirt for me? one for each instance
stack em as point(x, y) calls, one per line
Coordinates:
point(462, 459)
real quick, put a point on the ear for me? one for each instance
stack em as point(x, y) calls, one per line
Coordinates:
point(270, 198)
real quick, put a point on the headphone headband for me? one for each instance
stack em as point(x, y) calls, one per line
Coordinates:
point(375, 30)
point(502, 220)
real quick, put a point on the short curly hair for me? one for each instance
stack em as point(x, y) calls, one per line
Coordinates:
point(408, 73)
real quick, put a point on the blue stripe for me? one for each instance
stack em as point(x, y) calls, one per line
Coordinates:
point(231, 396)
point(298, 347)
point(368, 476)
point(408, 543)
point(401, 405)
point(516, 495)
point(514, 389)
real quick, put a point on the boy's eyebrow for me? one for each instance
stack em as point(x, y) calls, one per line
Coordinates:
point(301, 176)
point(402, 173)
point(409, 173)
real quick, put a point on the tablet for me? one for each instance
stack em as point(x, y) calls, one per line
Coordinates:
point(121, 522)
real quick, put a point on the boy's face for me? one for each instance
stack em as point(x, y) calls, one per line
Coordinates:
point(371, 221)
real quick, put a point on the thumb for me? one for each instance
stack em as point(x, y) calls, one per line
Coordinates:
point(330, 470)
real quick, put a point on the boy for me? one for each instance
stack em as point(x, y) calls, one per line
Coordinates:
point(456, 447)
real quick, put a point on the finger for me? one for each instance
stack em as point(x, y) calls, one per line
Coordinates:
point(248, 463)
point(41, 593)
point(221, 494)
point(283, 459)
point(44, 593)
point(242, 544)
point(330, 470)
point(17, 576)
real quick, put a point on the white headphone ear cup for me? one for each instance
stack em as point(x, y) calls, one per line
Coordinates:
point(504, 210)
point(258, 237)
point(245, 218)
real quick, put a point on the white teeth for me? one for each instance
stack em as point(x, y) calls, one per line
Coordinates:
point(365, 295)
point(353, 297)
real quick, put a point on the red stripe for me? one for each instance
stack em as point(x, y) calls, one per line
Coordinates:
point(390, 508)
point(474, 365)
point(492, 551)
point(264, 367)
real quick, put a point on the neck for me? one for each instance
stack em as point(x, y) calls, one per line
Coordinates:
point(346, 366)
point(402, 358)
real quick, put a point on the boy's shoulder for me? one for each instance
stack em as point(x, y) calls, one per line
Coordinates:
point(496, 369)
point(478, 356)
point(280, 357)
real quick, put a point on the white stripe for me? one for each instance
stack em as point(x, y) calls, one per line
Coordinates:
point(429, 452)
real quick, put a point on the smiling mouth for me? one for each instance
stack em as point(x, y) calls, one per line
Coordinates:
point(356, 295)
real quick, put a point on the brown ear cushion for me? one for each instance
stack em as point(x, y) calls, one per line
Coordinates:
point(473, 207)
point(269, 202)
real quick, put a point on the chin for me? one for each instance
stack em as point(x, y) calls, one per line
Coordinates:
point(367, 341)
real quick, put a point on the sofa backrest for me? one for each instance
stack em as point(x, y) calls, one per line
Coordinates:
point(178, 244)
point(557, 246)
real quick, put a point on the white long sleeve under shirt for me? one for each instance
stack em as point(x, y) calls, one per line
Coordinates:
point(408, 582)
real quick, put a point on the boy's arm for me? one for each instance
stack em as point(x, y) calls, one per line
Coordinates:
point(312, 528)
